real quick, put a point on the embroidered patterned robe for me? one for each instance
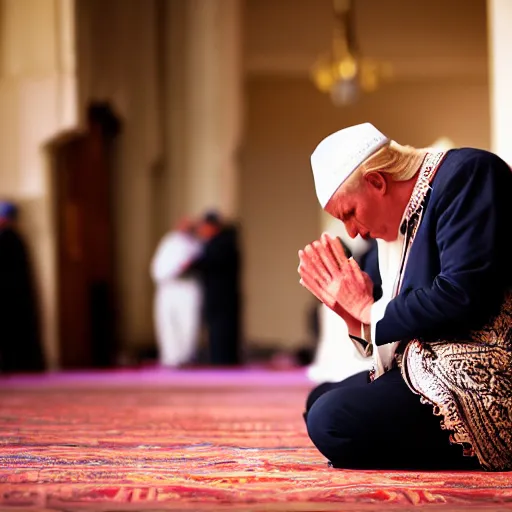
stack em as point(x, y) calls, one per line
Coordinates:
point(453, 312)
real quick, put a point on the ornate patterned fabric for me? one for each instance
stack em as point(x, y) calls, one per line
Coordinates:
point(469, 383)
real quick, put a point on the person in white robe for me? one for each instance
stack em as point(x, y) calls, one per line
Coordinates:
point(177, 304)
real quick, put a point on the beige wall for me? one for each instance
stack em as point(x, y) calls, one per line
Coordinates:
point(421, 38)
point(440, 89)
point(203, 104)
point(37, 101)
point(117, 56)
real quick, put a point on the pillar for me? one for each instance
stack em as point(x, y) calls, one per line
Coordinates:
point(204, 104)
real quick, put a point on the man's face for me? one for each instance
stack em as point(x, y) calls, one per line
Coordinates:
point(366, 209)
point(184, 225)
point(207, 230)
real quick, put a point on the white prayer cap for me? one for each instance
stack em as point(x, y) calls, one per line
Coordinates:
point(340, 154)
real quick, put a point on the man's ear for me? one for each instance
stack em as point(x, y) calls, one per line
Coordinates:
point(376, 181)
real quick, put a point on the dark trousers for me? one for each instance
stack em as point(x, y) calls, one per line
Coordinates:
point(356, 424)
point(224, 337)
point(20, 345)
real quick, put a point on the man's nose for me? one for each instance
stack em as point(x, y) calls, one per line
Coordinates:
point(351, 229)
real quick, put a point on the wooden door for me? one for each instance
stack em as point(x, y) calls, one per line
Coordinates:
point(82, 168)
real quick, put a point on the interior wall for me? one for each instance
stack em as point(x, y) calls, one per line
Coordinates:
point(421, 38)
point(37, 101)
point(117, 54)
point(286, 118)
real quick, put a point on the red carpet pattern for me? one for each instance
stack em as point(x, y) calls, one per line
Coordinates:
point(197, 448)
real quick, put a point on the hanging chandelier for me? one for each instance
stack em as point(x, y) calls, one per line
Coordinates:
point(343, 72)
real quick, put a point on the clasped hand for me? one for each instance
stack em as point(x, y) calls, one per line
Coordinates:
point(336, 280)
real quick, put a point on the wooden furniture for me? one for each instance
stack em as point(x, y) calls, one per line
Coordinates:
point(81, 167)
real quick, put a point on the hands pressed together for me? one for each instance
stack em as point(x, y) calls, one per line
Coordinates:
point(336, 280)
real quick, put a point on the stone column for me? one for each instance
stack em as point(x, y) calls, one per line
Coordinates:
point(204, 90)
point(500, 74)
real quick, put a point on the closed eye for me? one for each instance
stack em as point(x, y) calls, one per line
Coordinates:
point(347, 215)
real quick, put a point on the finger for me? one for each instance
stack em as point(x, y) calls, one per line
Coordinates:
point(362, 277)
point(312, 261)
point(326, 241)
point(310, 272)
point(327, 258)
point(307, 263)
point(311, 282)
point(307, 266)
point(301, 257)
point(319, 291)
point(317, 287)
point(351, 272)
point(336, 248)
point(312, 255)
point(355, 271)
point(312, 285)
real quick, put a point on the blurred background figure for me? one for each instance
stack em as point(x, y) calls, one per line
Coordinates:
point(177, 306)
point(20, 342)
point(336, 357)
point(219, 271)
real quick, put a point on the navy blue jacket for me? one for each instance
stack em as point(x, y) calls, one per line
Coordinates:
point(459, 265)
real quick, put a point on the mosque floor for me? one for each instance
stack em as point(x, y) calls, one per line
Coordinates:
point(195, 440)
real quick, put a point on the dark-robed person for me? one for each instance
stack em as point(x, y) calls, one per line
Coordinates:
point(219, 271)
point(20, 342)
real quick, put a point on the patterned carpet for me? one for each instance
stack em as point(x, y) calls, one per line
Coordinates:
point(200, 440)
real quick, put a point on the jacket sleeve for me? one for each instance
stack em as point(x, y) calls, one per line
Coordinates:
point(472, 218)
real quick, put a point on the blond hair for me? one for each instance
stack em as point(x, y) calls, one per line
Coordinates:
point(401, 162)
